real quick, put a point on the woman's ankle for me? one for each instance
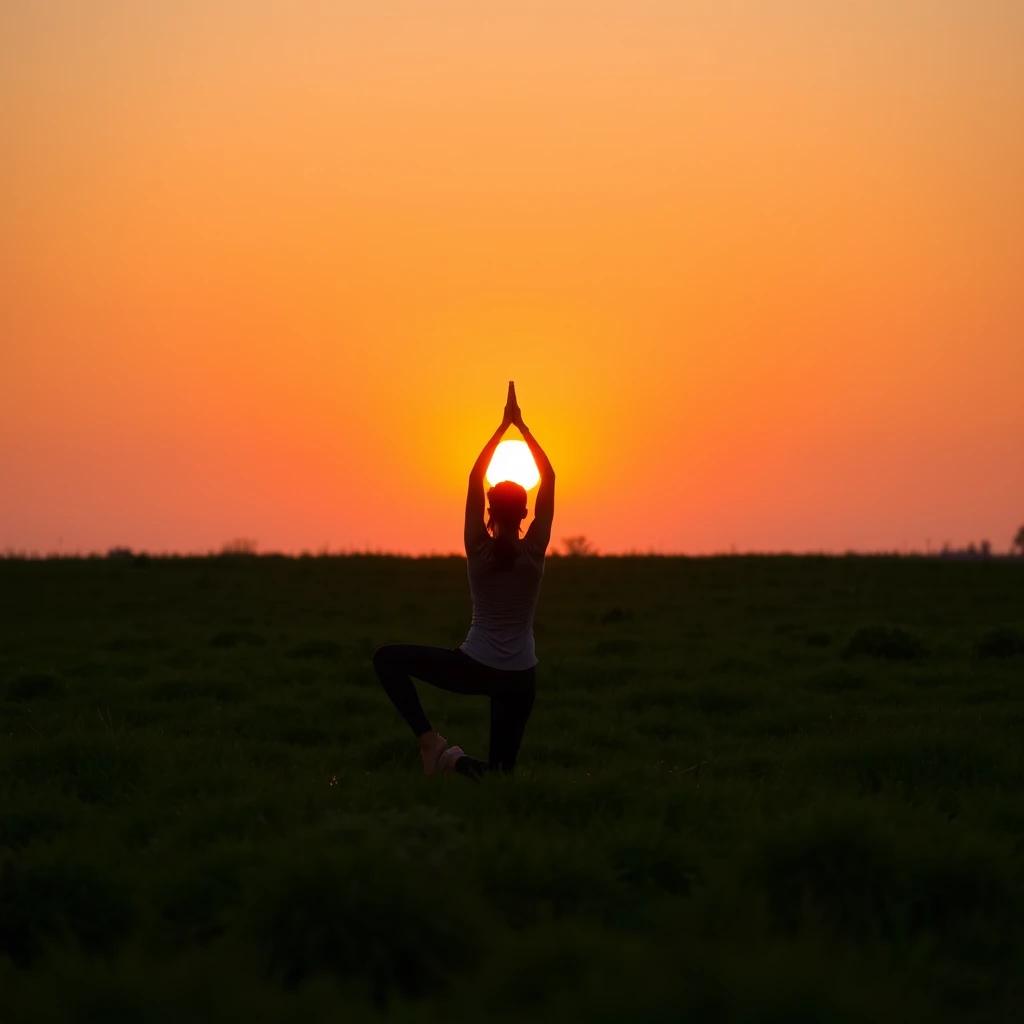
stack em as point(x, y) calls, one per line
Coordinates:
point(426, 740)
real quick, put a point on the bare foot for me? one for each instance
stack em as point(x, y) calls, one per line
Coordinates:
point(432, 746)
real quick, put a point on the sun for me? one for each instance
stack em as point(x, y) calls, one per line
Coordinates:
point(512, 461)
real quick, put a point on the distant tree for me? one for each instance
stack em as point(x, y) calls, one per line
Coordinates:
point(1018, 542)
point(578, 546)
point(239, 546)
point(986, 549)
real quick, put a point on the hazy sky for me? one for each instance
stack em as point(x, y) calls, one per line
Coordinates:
point(756, 268)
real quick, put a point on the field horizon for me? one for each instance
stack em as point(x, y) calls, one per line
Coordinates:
point(126, 553)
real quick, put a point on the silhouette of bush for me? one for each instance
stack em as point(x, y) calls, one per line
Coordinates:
point(1018, 544)
point(576, 546)
point(891, 643)
point(34, 685)
point(1006, 642)
point(240, 546)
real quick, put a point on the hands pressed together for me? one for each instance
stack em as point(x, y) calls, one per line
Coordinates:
point(513, 416)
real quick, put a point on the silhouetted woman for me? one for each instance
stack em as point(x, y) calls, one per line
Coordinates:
point(497, 658)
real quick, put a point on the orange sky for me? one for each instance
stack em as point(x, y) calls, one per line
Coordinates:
point(758, 274)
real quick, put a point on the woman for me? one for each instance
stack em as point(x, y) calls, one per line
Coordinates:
point(497, 658)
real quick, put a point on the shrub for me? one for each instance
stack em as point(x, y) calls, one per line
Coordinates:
point(239, 546)
point(892, 643)
point(34, 685)
point(1006, 642)
point(578, 546)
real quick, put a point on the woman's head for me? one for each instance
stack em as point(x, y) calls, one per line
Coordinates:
point(506, 508)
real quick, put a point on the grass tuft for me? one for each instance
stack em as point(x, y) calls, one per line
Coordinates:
point(890, 643)
point(34, 686)
point(1005, 642)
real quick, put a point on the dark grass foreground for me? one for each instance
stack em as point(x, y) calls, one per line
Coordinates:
point(752, 789)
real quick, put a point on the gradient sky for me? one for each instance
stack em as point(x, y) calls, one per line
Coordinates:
point(756, 269)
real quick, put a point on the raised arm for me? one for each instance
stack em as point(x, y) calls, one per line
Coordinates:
point(474, 527)
point(539, 533)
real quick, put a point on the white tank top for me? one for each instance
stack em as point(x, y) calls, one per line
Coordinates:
point(504, 601)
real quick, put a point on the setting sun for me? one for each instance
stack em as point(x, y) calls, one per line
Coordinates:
point(513, 461)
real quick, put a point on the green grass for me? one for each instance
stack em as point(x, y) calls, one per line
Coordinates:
point(751, 789)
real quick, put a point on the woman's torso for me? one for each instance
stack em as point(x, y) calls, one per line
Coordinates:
point(504, 602)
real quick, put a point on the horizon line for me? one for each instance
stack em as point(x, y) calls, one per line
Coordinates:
point(131, 554)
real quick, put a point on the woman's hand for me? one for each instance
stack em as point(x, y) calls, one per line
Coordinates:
point(512, 417)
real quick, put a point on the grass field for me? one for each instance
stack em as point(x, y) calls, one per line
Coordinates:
point(752, 788)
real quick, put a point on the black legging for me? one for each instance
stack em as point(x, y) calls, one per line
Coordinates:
point(511, 694)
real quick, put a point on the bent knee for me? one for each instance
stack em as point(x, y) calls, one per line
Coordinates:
point(383, 657)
